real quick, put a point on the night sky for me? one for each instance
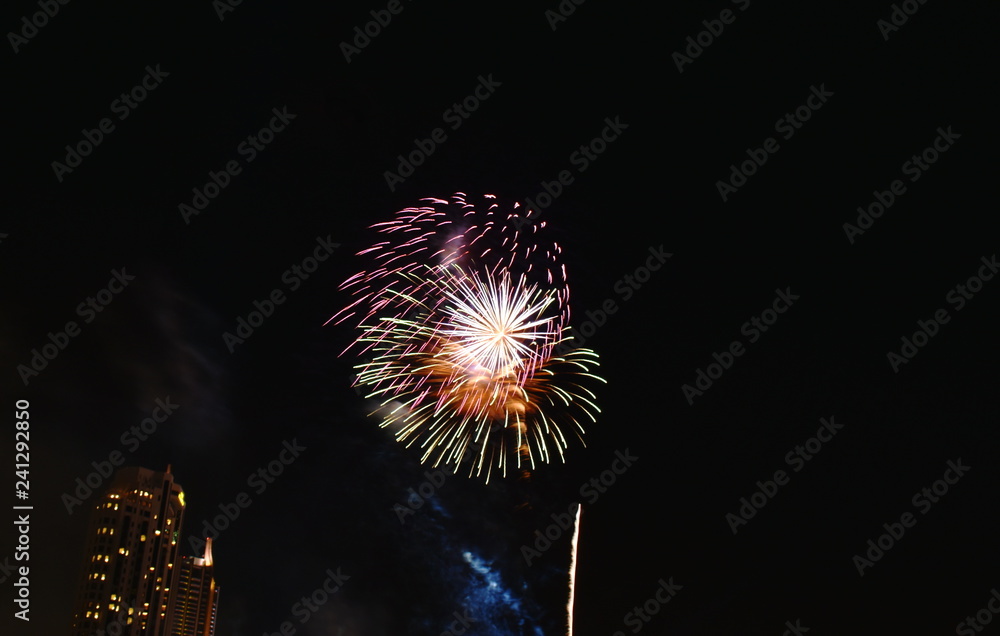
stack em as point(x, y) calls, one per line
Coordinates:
point(812, 184)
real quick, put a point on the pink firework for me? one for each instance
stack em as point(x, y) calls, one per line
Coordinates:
point(460, 315)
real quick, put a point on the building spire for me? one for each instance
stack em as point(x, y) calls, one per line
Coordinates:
point(208, 551)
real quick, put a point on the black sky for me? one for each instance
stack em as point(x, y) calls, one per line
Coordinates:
point(655, 186)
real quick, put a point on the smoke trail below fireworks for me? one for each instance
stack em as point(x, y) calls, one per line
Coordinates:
point(572, 568)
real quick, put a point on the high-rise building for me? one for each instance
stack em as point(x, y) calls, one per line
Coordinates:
point(133, 581)
point(194, 597)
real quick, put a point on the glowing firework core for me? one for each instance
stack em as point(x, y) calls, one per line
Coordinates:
point(496, 325)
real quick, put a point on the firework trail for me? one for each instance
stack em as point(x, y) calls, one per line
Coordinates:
point(572, 569)
point(459, 317)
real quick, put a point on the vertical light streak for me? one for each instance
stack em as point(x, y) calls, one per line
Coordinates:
point(572, 568)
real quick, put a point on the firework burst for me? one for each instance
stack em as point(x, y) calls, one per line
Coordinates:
point(460, 318)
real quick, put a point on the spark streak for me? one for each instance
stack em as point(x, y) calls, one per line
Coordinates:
point(572, 568)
